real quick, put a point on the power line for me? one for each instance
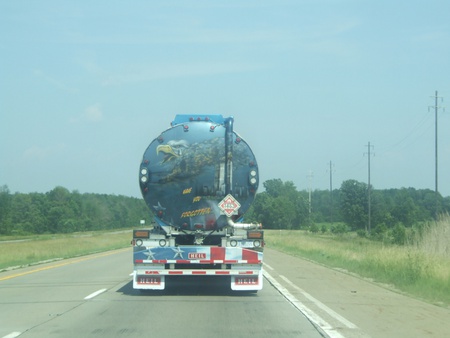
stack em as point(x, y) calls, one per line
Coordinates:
point(419, 130)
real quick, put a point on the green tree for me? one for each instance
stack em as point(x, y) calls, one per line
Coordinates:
point(5, 204)
point(353, 204)
point(281, 206)
point(405, 210)
point(26, 214)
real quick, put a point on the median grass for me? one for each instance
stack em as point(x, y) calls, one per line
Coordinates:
point(22, 251)
point(422, 273)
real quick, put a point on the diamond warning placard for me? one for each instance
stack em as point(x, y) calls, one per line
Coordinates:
point(229, 205)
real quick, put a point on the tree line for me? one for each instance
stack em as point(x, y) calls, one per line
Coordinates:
point(61, 211)
point(282, 206)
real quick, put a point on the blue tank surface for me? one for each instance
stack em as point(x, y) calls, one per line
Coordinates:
point(187, 171)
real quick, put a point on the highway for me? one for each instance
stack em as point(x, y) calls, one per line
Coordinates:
point(93, 296)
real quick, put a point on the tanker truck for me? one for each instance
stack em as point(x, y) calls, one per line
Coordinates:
point(198, 178)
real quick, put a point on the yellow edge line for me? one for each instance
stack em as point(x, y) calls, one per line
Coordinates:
point(63, 264)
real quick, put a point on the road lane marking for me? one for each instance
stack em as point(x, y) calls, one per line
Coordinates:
point(94, 294)
point(13, 335)
point(61, 264)
point(308, 313)
point(268, 266)
point(322, 306)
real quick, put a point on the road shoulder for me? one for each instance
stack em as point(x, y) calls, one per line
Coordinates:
point(357, 307)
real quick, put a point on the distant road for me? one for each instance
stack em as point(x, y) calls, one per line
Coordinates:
point(93, 296)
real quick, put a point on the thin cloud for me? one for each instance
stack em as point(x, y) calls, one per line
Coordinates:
point(39, 153)
point(145, 73)
point(92, 114)
point(53, 81)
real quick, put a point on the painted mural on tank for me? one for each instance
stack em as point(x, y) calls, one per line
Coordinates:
point(184, 171)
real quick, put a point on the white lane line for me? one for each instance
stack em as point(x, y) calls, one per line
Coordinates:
point(13, 335)
point(96, 293)
point(308, 313)
point(268, 266)
point(322, 306)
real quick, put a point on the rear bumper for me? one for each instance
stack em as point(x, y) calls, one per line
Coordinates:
point(243, 279)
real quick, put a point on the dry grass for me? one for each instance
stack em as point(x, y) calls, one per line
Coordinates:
point(42, 248)
point(434, 238)
point(411, 269)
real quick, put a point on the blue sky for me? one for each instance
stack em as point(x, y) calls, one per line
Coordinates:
point(85, 86)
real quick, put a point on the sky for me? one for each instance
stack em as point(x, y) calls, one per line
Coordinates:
point(85, 86)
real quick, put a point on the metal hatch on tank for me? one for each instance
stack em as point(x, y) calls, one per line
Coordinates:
point(191, 167)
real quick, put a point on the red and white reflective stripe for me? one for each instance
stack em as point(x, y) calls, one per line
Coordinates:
point(222, 272)
point(183, 261)
point(199, 272)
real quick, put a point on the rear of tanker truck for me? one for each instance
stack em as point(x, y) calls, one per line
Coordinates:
point(198, 178)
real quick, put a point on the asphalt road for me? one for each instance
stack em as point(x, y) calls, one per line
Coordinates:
point(93, 296)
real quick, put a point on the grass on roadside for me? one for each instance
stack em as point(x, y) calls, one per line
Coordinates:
point(31, 250)
point(407, 268)
point(412, 269)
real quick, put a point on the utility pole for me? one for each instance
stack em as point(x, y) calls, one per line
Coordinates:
point(331, 192)
point(368, 187)
point(436, 189)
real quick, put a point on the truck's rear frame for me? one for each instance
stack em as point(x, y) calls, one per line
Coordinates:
point(153, 262)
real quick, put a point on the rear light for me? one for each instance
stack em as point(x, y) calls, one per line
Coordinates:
point(255, 234)
point(252, 177)
point(141, 233)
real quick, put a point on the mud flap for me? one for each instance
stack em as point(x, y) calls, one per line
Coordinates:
point(247, 282)
point(148, 282)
